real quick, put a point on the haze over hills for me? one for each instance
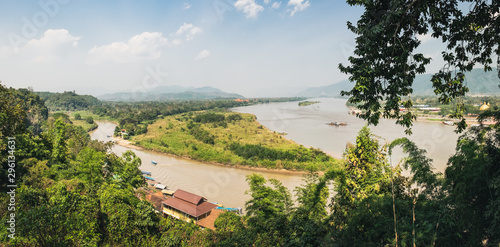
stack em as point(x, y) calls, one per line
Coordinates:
point(478, 81)
point(164, 93)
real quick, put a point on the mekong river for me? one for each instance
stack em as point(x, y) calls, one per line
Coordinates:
point(304, 125)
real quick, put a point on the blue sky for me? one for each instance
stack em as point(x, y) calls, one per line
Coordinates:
point(250, 47)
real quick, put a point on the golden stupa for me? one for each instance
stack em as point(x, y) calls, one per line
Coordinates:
point(484, 107)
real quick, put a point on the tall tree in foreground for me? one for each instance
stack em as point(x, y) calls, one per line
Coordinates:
point(473, 183)
point(386, 60)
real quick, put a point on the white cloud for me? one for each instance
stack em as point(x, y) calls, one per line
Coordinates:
point(189, 29)
point(266, 1)
point(276, 5)
point(177, 42)
point(144, 46)
point(187, 5)
point(202, 55)
point(248, 7)
point(298, 5)
point(53, 44)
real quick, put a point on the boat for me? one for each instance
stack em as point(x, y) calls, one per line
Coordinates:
point(160, 186)
point(154, 162)
point(168, 192)
point(218, 204)
point(337, 123)
point(147, 173)
point(448, 122)
point(237, 210)
point(149, 178)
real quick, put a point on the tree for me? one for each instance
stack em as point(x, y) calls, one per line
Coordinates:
point(78, 116)
point(473, 184)
point(58, 135)
point(268, 210)
point(128, 169)
point(90, 166)
point(90, 120)
point(386, 60)
point(306, 224)
point(364, 180)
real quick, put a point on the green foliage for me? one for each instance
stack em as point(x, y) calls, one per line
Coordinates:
point(89, 120)
point(78, 116)
point(68, 101)
point(128, 169)
point(306, 103)
point(268, 210)
point(134, 117)
point(241, 142)
point(209, 117)
point(73, 192)
point(201, 135)
point(365, 174)
point(473, 183)
point(387, 60)
point(299, 154)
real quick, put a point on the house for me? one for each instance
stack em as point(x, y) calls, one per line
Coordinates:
point(241, 100)
point(187, 206)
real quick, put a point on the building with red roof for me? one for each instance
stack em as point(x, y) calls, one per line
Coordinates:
point(187, 206)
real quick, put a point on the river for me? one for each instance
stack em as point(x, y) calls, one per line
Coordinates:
point(304, 125)
point(226, 185)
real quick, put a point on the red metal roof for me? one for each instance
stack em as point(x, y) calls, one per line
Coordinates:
point(192, 209)
point(188, 197)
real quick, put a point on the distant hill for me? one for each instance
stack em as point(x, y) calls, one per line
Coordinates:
point(166, 93)
point(479, 83)
point(67, 101)
point(332, 90)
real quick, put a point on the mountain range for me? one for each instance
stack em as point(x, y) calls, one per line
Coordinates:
point(165, 93)
point(478, 81)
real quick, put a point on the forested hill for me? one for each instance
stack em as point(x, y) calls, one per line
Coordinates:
point(67, 101)
point(169, 93)
point(478, 81)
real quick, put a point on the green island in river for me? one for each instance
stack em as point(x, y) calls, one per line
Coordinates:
point(306, 103)
point(231, 139)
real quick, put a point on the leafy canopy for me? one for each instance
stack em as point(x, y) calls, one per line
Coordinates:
point(386, 60)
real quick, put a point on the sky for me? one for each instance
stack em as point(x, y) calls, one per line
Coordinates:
point(250, 47)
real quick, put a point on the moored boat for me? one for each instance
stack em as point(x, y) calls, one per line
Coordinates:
point(337, 123)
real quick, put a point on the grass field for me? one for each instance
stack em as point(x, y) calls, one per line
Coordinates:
point(232, 139)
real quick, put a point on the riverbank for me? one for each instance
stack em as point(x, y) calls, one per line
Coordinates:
point(229, 139)
point(128, 144)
